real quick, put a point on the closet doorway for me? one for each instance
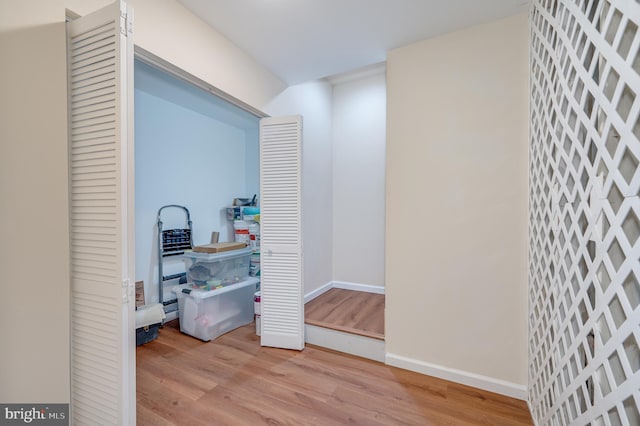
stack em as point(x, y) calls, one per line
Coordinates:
point(201, 151)
point(192, 148)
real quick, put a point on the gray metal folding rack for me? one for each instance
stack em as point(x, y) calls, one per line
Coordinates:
point(172, 242)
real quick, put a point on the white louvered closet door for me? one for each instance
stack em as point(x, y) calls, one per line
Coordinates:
point(100, 65)
point(281, 232)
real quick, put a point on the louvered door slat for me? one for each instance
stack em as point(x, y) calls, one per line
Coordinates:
point(95, 102)
point(102, 342)
point(281, 232)
point(82, 74)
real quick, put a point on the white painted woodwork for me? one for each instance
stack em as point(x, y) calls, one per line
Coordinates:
point(100, 58)
point(584, 299)
point(281, 232)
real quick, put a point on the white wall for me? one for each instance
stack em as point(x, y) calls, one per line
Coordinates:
point(344, 124)
point(33, 164)
point(185, 156)
point(359, 139)
point(252, 163)
point(456, 230)
point(313, 102)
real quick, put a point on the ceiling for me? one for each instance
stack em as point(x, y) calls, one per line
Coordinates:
point(303, 40)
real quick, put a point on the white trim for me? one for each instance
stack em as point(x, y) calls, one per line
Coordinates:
point(159, 63)
point(377, 289)
point(70, 15)
point(353, 344)
point(318, 292)
point(490, 384)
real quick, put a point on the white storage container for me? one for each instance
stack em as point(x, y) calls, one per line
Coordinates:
point(209, 314)
point(223, 268)
point(241, 231)
point(148, 320)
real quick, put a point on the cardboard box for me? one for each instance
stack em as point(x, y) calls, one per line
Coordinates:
point(219, 247)
point(139, 293)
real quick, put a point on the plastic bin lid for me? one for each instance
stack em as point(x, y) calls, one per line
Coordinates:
point(203, 294)
point(251, 210)
point(149, 314)
point(210, 257)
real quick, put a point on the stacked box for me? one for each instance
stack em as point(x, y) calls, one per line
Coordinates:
point(217, 269)
point(207, 314)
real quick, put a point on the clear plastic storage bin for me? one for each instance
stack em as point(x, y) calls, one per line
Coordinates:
point(214, 269)
point(207, 314)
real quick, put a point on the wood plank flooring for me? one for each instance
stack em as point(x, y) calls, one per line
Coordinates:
point(234, 381)
point(351, 311)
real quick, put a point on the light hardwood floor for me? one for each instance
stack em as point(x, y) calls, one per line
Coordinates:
point(234, 381)
point(351, 311)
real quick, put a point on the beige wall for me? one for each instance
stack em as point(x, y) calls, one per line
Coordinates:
point(34, 336)
point(456, 229)
point(167, 29)
point(34, 348)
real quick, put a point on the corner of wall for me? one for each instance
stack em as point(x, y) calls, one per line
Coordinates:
point(490, 384)
point(457, 199)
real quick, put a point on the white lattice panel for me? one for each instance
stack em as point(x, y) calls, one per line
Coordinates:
point(584, 306)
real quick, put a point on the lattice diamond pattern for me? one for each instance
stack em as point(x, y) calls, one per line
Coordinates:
point(584, 219)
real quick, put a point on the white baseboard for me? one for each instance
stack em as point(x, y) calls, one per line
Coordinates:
point(343, 285)
point(378, 289)
point(318, 292)
point(463, 377)
point(365, 347)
